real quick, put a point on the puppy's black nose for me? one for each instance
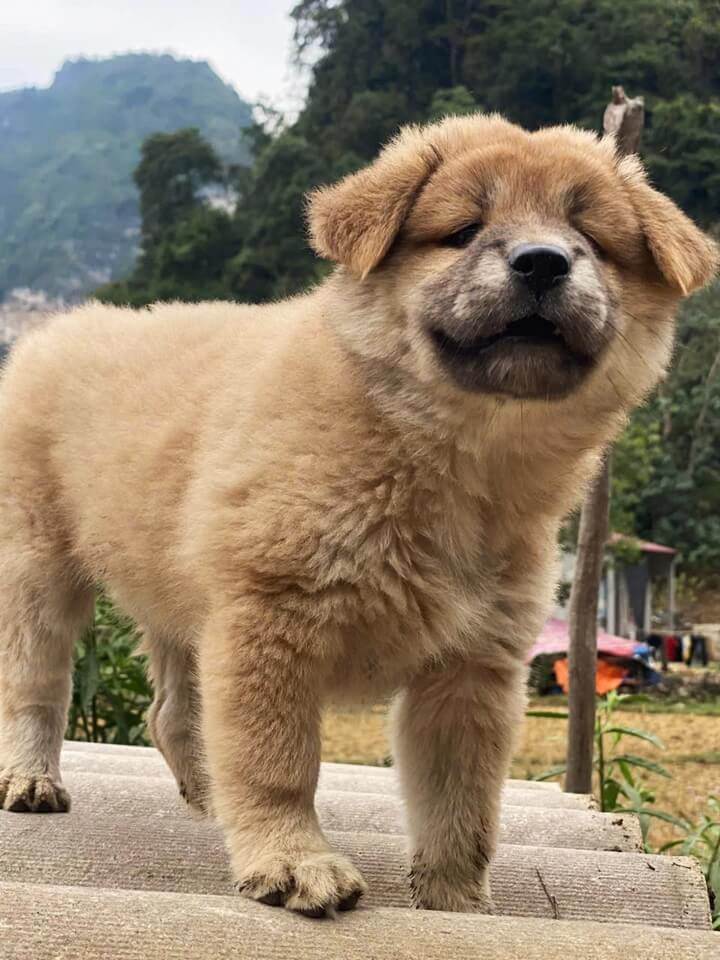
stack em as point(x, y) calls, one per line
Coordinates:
point(540, 265)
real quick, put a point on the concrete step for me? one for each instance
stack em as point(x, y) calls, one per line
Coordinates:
point(146, 761)
point(344, 811)
point(111, 839)
point(376, 774)
point(71, 923)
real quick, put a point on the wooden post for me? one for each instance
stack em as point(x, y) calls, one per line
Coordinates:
point(611, 601)
point(671, 596)
point(582, 653)
point(624, 117)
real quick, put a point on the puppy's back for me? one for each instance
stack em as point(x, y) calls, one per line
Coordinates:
point(97, 368)
point(102, 410)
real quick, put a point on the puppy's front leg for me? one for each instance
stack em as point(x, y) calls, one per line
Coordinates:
point(261, 729)
point(454, 733)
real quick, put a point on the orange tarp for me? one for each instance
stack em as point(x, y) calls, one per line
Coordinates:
point(608, 676)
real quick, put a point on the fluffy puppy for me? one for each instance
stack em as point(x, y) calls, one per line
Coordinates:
point(348, 494)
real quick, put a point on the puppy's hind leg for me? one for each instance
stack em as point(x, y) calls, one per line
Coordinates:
point(175, 715)
point(42, 613)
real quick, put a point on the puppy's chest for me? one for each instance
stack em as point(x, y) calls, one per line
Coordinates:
point(423, 591)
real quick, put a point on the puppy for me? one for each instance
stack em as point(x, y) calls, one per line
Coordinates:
point(348, 494)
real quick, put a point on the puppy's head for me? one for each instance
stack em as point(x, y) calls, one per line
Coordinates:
point(515, 264)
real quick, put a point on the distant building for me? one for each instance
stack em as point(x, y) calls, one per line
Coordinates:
point(635, 591)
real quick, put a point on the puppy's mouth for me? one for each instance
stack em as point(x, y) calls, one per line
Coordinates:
point(530, 356)
point(532, 330)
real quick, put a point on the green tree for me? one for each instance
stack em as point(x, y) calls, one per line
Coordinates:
point(379, 64)
point(186, 243)
point(274, 259)
point(383, 63)
point(538, 61)
point(685, 146)
point(173, 168)
point(191, 255)
point(455, 101)
point(680, 503)
point(634, 459)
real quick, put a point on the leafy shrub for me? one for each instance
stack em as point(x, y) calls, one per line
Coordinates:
point(111, 692)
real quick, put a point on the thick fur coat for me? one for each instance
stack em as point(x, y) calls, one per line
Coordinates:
point(352, 493)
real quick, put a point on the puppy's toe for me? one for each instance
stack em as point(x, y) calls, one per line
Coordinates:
point(30, 793)
point(322, 883)
point(436, 888)
point(313, 884)
point(268, 882)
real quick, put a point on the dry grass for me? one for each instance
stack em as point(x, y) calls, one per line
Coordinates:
point(692, 753)
point(356, 736)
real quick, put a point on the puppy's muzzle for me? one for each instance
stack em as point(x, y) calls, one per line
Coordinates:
point(536, 334)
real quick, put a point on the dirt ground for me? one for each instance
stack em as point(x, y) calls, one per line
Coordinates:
point(691, 754)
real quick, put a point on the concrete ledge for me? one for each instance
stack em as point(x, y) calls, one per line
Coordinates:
point(142, 764)
point(345, 811)
point(515, 794)
point(122, 832)
point(68, 923)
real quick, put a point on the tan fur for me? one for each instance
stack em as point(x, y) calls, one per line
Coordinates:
point(298, 503)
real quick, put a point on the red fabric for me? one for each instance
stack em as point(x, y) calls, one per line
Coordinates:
point(672, 648)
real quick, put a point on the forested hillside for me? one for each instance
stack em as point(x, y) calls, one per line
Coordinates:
point(68, 208)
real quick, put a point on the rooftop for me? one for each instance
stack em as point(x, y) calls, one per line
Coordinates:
point(645, 546)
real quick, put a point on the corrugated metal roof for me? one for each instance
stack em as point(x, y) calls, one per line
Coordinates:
point(128, 873)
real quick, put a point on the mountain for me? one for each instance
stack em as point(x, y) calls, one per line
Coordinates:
point(68, 206)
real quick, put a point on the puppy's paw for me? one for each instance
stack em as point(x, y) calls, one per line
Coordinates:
point(437, 888)
point(31, 793)
point(314, 884)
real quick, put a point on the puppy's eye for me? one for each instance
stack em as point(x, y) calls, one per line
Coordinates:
point(463, 237)
point(595, 245)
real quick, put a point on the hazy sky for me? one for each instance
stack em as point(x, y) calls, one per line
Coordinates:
point(248, 43)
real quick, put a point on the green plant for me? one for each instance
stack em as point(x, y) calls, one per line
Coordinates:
point(616, 769)
point(702, 841)
point(620, 788)
point(111, 692)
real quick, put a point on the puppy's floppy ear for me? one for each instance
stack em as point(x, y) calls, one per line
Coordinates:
point(685, 256)
point(356, 221)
